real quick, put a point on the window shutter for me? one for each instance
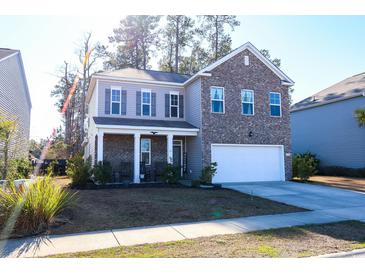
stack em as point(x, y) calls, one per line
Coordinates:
point(153, 104)
point(124, 103)
point(181, 106)
point(107, 101)
point(138, 103)
point(167, 105)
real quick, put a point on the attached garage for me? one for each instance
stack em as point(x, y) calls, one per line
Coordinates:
point(239, 163)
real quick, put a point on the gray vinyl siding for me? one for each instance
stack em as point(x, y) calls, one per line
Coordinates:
point(15, 102)
point(331, 132)
point(131, 99)
point(193, 116)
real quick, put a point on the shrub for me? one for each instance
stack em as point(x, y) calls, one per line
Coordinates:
point(19, 169)
point(37, 205)
point(51, 169)
point(103, 172)
point(79, 171)
point(305, 165)
point(208, 173)
point(171, 174)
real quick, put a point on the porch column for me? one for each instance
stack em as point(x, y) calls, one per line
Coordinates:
point(137, 142)
point(100, 146)
point(170, 138)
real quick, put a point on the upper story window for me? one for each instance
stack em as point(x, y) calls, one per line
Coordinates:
point(146, 102)
point(174, 104)
point(115, 100)
point(247, 98)
point(217, 98)
point(275, 104)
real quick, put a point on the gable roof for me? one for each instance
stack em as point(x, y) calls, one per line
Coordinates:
point(150, 75)
point(177, 79)
point(350, 87)
point(285, 79)
point(4, 53)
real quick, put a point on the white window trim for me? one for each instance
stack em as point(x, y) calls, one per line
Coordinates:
point(253, 102)
point(178, 103)
point(144, 90)
point(272, 92)
point(111, 99)
point(211, 100)
point(149, 152)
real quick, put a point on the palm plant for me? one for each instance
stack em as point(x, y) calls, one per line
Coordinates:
point(360, 116)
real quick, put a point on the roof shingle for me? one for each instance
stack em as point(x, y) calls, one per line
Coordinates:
point(350, 87)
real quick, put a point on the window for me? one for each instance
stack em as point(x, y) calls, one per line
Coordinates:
point(247, 98)
point(217, 97)
point(174, 104)
point(146, 102)
point(146, 151)
point(115, 100)
point(275, 104)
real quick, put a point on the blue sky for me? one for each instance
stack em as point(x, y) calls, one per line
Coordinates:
point(316, 51)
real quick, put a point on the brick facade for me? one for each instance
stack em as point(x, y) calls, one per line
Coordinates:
point(232, 126)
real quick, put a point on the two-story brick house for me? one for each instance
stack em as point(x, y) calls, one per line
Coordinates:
point(234, 112)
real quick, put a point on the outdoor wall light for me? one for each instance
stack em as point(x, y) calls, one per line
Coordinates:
point(154, 132)
point(250, 134)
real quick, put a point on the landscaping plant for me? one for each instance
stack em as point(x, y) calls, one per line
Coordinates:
point(19, 169)
point(79, 170)
point(103, 172)
point(37, 205)
point(305, 165)
point(171, 174)
point(208, 173)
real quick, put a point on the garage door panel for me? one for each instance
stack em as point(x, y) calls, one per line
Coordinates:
point(247, 163)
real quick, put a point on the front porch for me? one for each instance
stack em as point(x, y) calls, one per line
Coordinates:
point(141, 155)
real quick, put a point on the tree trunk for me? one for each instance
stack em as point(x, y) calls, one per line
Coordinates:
point(177, 44)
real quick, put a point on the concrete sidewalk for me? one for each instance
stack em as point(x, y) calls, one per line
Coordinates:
point(58, 244)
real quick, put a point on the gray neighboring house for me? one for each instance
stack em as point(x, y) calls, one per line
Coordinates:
point(234, 112)
point(325, 124)
point(15, 101)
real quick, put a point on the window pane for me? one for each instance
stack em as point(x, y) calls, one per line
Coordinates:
point(115, 108)
point(146, 97)
point(274, 98)
point(145, 145)
point(115, 95)
point(174, 100)
point(247, 109)
point(145, 158)
point(275, 110)
point(173, 111)
point(217, 106)
point(146, 110)
point(247, 96)
point(217, 93)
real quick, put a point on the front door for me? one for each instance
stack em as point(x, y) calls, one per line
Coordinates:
point(177, 154)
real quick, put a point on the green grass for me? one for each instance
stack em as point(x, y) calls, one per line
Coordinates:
point(268, 251)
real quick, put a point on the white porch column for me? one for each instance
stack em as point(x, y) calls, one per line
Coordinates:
point(170, 138)
point(137, 142)
point(100, 146)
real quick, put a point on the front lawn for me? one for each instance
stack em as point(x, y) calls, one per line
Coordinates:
point(121, 208)
point(294, 242)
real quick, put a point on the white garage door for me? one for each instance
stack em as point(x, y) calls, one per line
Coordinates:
point(248, 163)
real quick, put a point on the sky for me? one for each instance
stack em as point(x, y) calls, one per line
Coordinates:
point(315, 51)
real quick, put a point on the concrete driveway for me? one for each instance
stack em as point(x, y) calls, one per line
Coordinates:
point(333, 201)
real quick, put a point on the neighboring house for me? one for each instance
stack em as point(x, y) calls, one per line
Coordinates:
point(15, 101)
point(325, 124)
point(234, 112)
